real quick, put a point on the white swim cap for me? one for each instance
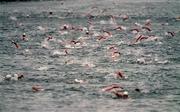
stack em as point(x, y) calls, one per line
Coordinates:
point(125, 93)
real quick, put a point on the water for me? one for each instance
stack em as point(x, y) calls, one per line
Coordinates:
point(158, 78)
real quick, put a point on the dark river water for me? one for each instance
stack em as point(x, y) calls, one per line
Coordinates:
point(152, 66)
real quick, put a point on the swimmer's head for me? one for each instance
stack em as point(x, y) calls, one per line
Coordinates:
point(138, 90)
point(50, 12)
point(20, 76)
point(24, 34)
point(65, 27)
point(125, 94)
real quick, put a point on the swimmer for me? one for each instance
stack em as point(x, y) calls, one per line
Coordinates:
point(146, 28)
point(20, 76)
point(172, 34)
point(107, 33)
point(87, 32)
point(135, 30)
point(24, 37)
point(14, 77)
point(37, 88)
point(115, 55)
point(65, 27)
point(143, 37)
point(119, 28)
point(75, 42)
point(116, 90)
point(123, 95)
point(125, 17)
point(104, 36)
point(50, 13)
point(148, 22)
point(16, 44)
point(109, 88)
point(49, 38)
point(137, 90)
point(101, 37)
point(119, 74)
point(139, 38)
point(66, 51)
point(112, 48)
